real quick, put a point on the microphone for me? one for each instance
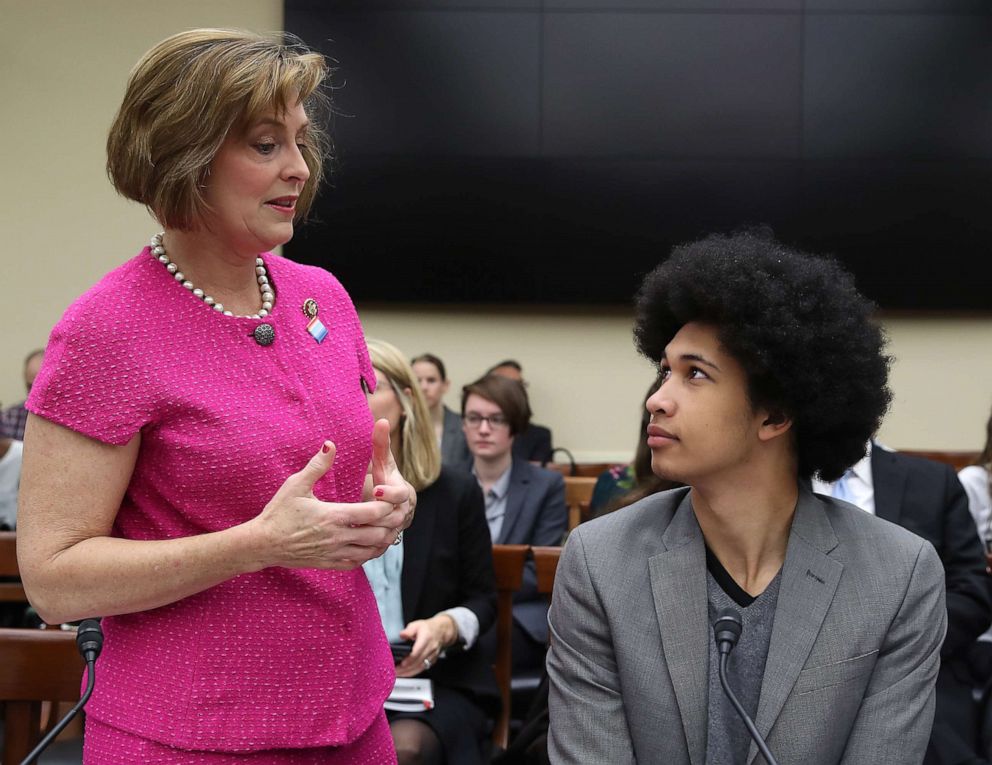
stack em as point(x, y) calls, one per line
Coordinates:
point(727, 631)
point(89, 641)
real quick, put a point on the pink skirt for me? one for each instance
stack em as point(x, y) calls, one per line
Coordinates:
point(106, 745)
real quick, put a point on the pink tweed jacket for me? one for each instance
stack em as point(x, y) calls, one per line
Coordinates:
point(274, 659)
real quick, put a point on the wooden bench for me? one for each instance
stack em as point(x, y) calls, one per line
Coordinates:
point(956, 460)
point(35, 666)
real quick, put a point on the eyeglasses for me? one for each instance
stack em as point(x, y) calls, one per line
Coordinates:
point(496, 421)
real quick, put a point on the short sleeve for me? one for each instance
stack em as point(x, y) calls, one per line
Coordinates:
point(92, 380)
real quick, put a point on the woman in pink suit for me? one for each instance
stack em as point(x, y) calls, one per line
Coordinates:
point(201, 467)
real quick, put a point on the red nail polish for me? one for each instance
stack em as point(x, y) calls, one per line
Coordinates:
point(325, 448)
point(379, 492)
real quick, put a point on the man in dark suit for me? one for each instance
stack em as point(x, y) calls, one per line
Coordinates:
point(533, 443)
point(925, 497)
point(525, 504)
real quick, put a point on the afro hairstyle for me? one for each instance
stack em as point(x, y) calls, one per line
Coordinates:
point(795, 322)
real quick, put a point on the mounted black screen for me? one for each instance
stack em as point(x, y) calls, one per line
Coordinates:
point(553, 151)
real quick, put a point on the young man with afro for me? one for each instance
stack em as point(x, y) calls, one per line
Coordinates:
point(772, 372)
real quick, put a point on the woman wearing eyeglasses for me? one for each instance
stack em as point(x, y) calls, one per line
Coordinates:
point(525, 504)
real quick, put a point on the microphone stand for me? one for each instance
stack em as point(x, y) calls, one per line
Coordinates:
point(762, 746)
point(727, 630)
point(571, 459)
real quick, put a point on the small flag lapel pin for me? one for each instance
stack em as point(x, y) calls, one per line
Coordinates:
point(317, 329)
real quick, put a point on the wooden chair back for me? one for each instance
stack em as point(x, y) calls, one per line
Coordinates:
point(578, 491)
point(508, 562)
point(35, 666)
point(578, 514)
point(574, 516)
point(546, 563)
point(10, 591)
point(584, 469)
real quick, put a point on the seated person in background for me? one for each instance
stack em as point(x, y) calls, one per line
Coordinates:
point(10, 479)
point(434, 384)
point(772, 370)
point(13, 418)
point(926, 498)
point(11, 614)
point(436, 586)
point(623, 485)
point(525, 504)
point(977, 481)
point(533, 443)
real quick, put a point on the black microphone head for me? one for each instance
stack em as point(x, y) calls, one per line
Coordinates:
point(727, 628)
point(89, 639)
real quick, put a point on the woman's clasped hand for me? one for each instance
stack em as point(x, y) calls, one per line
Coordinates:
point(297, 530)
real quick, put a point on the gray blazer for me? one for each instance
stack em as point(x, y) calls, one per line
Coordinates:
point(535, 515)
point(454, 450)
point(851, 667)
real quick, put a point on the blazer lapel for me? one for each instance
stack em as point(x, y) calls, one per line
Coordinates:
point(888, 477)
point(416, 552)
point(678, 585)
point(809, 581)
point(515, 496)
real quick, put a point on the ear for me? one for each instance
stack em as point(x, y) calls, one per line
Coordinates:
point(773, 424)
point(444, 386)
point(408, 392)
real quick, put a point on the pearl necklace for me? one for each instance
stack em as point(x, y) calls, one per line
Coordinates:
point(264, 288)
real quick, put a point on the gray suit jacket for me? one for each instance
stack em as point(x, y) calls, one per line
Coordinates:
point(851, 667)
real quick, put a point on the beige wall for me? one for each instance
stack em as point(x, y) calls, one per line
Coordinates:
point(63, 66)
point(587, 382)
point(942, 380)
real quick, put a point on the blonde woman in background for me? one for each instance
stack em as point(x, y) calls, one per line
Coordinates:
point(436, 589)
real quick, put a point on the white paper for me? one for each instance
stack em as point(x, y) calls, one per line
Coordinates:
point(411, 694)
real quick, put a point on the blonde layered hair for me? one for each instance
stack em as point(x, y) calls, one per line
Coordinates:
point(187, 94)
point(419, 457)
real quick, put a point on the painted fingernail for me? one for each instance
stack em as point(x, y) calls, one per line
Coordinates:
point(326, 447)
point(379, 492)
